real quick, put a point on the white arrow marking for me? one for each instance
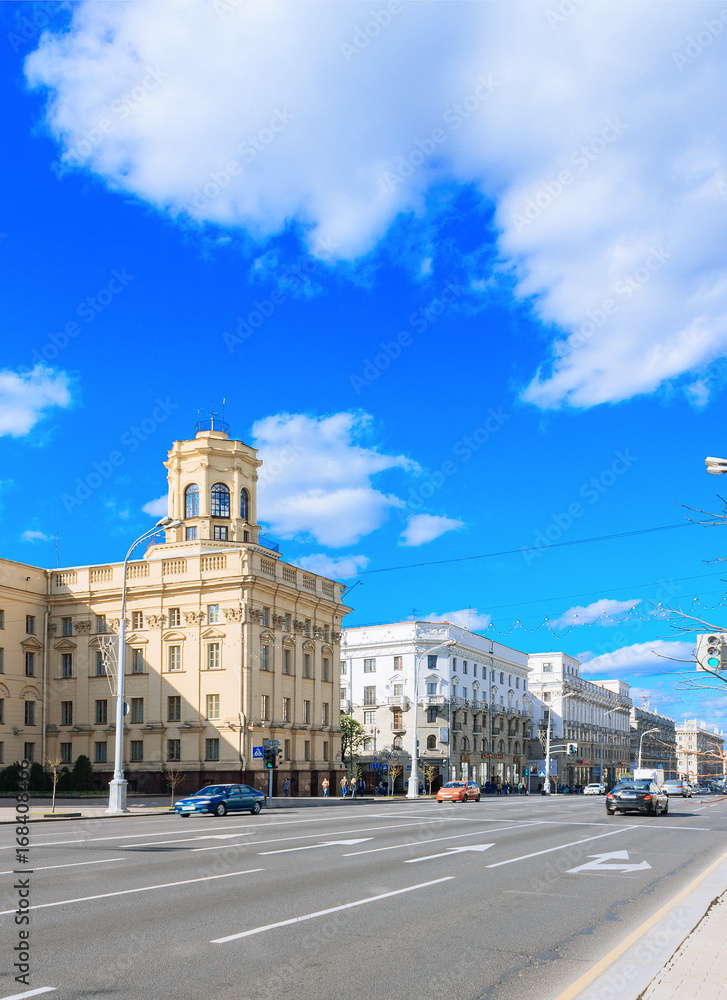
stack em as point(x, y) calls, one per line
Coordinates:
point(310, 847)
point(449, 852)
point(599, 864)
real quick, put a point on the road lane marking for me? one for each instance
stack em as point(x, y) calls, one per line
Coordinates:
point(310, 847)
point(307, 836)
point(74, 864)
point(126, 892)
point(587, 978)
point(573, 843)
point(449, 852)
point(189, 840)
point(32, 993)
point(333, 909)
point(598, 863)
point(436, 840)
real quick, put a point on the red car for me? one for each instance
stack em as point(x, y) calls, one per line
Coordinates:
point(459, 791)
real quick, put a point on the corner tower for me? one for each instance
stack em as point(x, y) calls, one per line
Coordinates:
point(213, 487)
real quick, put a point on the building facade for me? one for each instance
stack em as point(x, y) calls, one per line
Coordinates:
point(700, 751)
point(226, 645)
point(472, 703)
point(653, 738)
point(592, 714)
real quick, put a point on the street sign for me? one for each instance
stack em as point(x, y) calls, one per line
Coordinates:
point(375, 766)
point(258, 752)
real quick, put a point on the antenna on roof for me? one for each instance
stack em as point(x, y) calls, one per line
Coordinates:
point(223, 409)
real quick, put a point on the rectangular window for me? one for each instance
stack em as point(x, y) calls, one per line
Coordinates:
point(29, 753)
point(2, 660)
point(66, 753)
point(2, 752)
point(464, 666)
point(213, 706)
point(174, 657)
point(397, 719)
point(547, 667)
point(100, 665)
point(286, 749)
point(220, 536)
point(2, 619)
point(288, 623)
point(100, 753)
point(101, 624)
point(344, 668)
point(306, 712)
point(432, 661)
point(287, 715)
point(137, 749)
point(474, 669)
point(326, 714)
point(174, 749)
point(137, 710)
point(398, 663)
point(66, 626)
point(102, 709)
point(2, 711)
point(431, 715)
point(325, 749)
point(265, 706)
point(67, 665)
point(174, 708)
point(137, 619)
point(212, 749)
point(431, 688)
point(30, 664)
point(286, 661)
point(265, 657)
point(191, 533)
point(306, 750)
point(307, 626)
point(326, 669)
point(306, 665)
point(398, 690)
point(370, 718)
point(175, 617)
point(213, 656)
point(30, 624)
point(213, 614)
point(370, 666)
point(30, 713)
point(266, 617)
point(370, 695)
point(137, 661)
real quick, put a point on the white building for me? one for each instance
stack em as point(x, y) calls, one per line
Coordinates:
point(592, 714)
point(700, 751)
point(473, 702)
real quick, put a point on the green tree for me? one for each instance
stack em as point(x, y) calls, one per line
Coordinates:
point(82, 775)
point(9, 778)
point(353, 739)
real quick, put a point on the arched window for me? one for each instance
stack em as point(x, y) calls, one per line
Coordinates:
point(431, 742)
point(244, 505)
point(398, 744)
point(191, 501)
point(501, 747)
point(465, 743)
point(484, 746)
point(220, 500)
point(517, 748)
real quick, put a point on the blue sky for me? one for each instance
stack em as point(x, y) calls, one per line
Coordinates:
point(463, 287)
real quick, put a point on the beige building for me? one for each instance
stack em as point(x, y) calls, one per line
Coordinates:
point(700, 751)
point(226, 645)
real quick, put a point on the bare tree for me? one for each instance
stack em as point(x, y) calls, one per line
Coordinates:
point(54, 765)
point(173, 775)
point(431, 771)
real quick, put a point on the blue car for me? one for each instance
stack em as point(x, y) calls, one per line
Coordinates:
point(221, 799)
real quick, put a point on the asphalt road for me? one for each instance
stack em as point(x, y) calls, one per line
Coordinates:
point(509, 899)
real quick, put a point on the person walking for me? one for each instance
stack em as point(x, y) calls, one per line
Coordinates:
point(344, 787)
point(286, 787)
point(325, 788)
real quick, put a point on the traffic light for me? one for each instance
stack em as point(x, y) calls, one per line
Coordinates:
point(713, 652)
point(526, 772)
point(572, 748)
point(271, 756)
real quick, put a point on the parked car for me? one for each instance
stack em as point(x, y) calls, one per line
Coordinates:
point(637, 796)
point(674, 787)
point(594, 789)
point(459, 791)
point(221, 799)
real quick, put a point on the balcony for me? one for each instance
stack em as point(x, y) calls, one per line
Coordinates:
point(432, 700)
point(460, 702)
point(398, 701)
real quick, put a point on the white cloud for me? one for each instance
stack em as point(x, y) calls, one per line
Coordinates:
point(26, 396)
point(605, 612)
point(157, 508)
point(469, 618)
point(641, 658)
point(334, 567)
point(596, 138)
point(316, 478)
point(35, 536)
point(423, 528)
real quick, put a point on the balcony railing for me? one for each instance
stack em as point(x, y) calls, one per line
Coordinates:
point(398, 701)
point(431, 700)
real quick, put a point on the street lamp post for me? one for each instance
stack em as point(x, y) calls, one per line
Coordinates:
point(413, 789)
point(560, 697)
point(641, 741)
point(117, 787)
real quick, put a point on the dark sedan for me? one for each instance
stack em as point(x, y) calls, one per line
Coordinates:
point(637, 796)
point(221, 799)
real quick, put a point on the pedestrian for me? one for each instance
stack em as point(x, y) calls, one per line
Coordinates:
point(286, 787)
point(352, 788)
point(325, 788)
point(344, 787)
